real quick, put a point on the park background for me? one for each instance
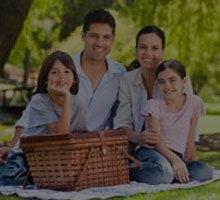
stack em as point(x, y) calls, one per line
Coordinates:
point(31, 29)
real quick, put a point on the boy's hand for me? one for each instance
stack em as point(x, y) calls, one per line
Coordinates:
point(56, 89)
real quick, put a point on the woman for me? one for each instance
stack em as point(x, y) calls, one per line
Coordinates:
point(135, 88)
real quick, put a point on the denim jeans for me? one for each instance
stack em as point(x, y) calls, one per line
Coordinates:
point(156, 169)
point(14, 171)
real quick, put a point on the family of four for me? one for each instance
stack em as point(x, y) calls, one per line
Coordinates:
point(154, 104)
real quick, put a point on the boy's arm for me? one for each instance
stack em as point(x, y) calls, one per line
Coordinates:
point(5, 150)
point(62, 126)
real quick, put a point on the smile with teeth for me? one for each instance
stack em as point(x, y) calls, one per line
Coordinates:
point(147, 59)
point(99, 50)
point(61, 83)
point(168, 92)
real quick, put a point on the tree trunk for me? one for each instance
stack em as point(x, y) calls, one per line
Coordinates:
point(26, 63)
point(12, 17)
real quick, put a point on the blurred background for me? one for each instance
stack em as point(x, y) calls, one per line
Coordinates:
point(31, 29)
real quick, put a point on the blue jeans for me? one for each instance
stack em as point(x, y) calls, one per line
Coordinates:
point(14, 171)
point(156, 169)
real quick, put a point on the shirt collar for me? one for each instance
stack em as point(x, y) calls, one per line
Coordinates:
point(138, 80)
point(110, 68)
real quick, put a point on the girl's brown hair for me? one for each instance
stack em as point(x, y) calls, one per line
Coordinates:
point(47, 65)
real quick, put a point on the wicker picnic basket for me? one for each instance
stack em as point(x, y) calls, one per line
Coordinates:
point(77, 161)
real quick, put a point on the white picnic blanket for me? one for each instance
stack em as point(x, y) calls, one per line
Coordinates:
point(100, 192)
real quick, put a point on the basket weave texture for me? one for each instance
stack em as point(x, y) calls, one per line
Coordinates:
point(77, 161)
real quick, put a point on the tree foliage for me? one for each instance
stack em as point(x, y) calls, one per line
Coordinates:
point(74, 12)
point(40, 30)
point(192, 31)
point(48, 22)
point(191, 28)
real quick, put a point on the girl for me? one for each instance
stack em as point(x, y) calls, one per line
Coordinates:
point(175, 116)
point(51, 107)
point(50, 110)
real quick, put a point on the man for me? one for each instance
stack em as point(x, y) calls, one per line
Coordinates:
point(99, 77)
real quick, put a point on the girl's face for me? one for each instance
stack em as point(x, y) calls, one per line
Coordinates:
point(170, 84)
point(149, 50)
point(60, 76)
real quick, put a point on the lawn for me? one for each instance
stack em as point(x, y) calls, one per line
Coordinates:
point(207, 192)
point(209, 124)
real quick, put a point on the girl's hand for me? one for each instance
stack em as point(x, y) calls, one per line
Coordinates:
point(190, 152)
point(149, 138)
point(55, 89)
point(180, 170)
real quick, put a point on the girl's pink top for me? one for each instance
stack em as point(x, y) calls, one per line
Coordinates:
point(175, 126)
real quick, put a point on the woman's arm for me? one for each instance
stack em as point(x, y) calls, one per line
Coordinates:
point(123, 116)
point(179, 167)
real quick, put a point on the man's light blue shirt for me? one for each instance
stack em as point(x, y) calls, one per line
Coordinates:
point(98, 103)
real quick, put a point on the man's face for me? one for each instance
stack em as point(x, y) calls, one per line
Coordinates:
point(98, 41)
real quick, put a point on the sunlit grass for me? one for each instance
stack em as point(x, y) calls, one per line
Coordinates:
point(210, 124)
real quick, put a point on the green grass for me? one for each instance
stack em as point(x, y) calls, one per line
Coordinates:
point(210, 124)
point(206, 192)
point(211, 157)
point(213, 108)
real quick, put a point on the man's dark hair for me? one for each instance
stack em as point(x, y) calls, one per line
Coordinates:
point(99, 16)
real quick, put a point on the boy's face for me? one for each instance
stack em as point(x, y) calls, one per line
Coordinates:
point(98, 41)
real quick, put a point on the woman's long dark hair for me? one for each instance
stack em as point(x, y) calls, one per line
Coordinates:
point(147, 30)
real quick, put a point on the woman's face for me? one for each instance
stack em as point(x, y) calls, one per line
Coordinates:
point(149, 50)
point(60, 76)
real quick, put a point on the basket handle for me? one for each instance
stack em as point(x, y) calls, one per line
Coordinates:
point(24, 184)
point(136, 163)
point(84, 168)
point(104, 146)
